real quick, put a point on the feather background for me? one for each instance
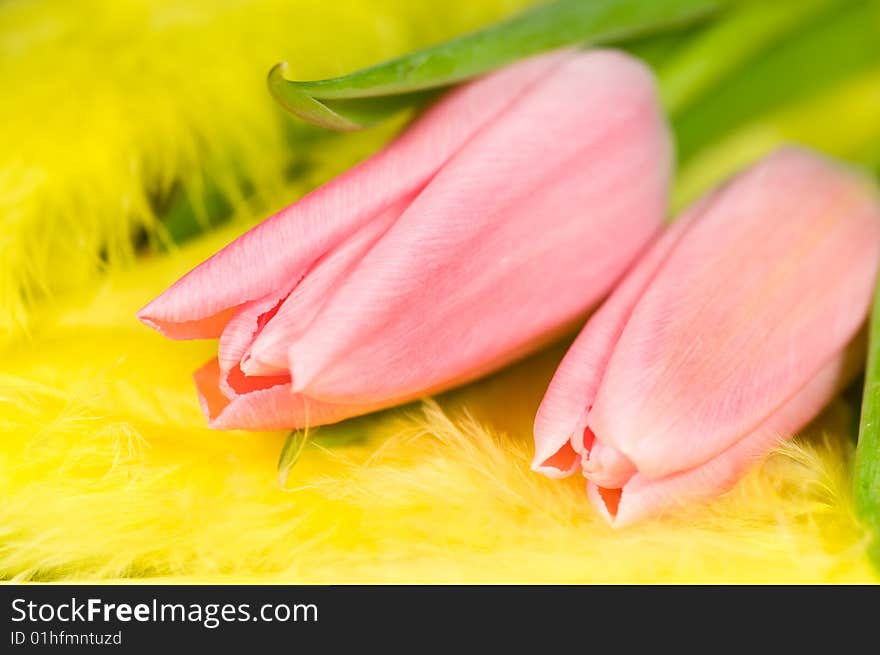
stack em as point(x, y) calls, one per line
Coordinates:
point(106, 468)
point(118, 110)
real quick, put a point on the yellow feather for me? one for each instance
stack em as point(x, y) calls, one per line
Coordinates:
point(110, 106)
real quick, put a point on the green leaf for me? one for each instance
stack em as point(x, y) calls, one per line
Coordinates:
point(832, 47)
point(290, 453)
point(365, 97)
point(866, 476)
point(729, 43)
point(345, 433)
point(351, 431)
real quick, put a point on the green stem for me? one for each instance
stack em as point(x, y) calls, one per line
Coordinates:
point(867, 468)
point(361, 98)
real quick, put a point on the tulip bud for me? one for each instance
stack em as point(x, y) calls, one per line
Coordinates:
point(495, 222)
point(730, 335)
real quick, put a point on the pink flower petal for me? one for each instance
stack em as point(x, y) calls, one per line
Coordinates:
point(272, 408)
point(515, 239)
point(239, 334)
point(607, 467)
point(642, 497)
point(767, 288)
point(269, 351)
point(277, 253)
point(562, 415)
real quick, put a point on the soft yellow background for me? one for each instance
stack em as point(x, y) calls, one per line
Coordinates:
point(106, 468)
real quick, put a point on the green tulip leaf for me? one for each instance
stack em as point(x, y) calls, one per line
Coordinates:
point(830, 45)
point(350, 432)
point(367, 96)
point(290, 454)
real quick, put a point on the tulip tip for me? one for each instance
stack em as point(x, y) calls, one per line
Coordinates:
point(541, 466)
point(606, 502)
point(537, 464)
point(151, 314)
point(303, 372)
point(144, 316)
point(148, 317)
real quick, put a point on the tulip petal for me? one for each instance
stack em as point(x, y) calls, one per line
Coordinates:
point(563, 411)
point(239, 334)
point(642, 497)
point(268, 352)
point(607, 467)
point(273, 408)
point(459, 285)
point(276, 253)
point(769, 286)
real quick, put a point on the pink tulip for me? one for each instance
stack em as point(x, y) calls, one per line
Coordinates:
point(730, 335)
point(494, 223)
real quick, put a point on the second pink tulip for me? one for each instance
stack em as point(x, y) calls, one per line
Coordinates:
point(727, 337)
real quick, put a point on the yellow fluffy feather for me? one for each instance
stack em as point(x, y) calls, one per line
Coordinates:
point(111, 106)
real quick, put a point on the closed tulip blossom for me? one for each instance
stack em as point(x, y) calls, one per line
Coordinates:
point(730, 335)
point(495, 222)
